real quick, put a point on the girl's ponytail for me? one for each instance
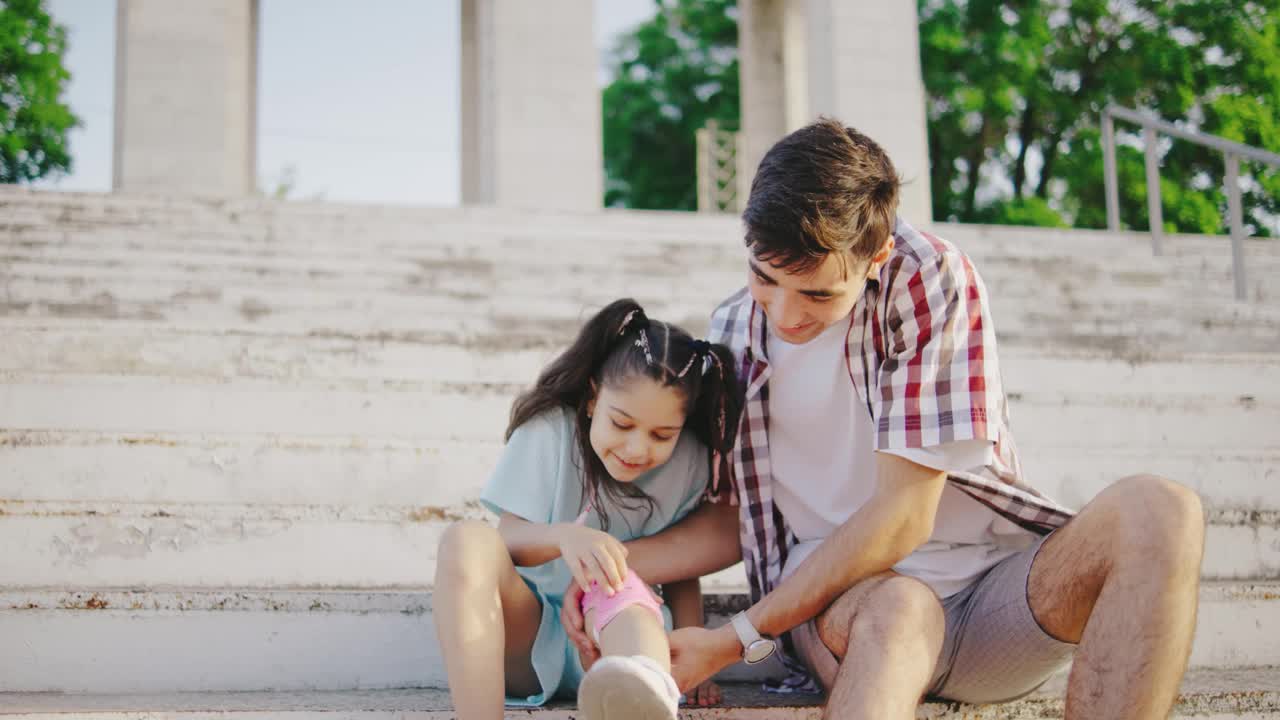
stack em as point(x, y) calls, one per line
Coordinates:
point(718, 407)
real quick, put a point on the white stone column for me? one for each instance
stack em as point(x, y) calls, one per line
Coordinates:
point(858, 62)
point(186, 86)
point(763, 90)
point(531, 116)
point(874, 84)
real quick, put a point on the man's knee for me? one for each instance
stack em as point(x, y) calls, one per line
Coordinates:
point(1159, 524)
point(899, 604)
point(464, 546)
point(894, 608)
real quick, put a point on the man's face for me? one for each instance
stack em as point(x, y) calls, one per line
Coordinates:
point(800, 306)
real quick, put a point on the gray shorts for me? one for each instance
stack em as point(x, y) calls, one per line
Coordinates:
point(994, 649)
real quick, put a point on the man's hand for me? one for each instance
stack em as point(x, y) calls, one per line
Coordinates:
point(698, 653)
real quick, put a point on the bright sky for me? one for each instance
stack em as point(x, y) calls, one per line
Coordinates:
point(363, 107)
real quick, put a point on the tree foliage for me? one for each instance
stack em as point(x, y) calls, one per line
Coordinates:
point(34, 120)
point(671, 75)
point(1016, 89)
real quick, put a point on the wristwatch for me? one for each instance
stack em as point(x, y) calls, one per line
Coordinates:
point(755, 647)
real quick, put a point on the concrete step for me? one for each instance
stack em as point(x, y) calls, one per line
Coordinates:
point(603, 230)
point(250, 346)
point(1147, 329)
point(443, 320)
point(57, 346)
point(312, 225)
point(1205, 694)
point(1007, 266)
point(157, 279)
point(59, 282)
point(385, 274)
point(306, 544)
point(418, 261)
point(1027, 250)
point(1071, 309)
point(463, 296)
point(340, 284)
point(120, 641)
point(478, 411)
point(95, 209)
point(136, 479)
point(290, 469)
point(459, 238)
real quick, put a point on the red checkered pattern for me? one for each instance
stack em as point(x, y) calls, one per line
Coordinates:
point(921, 351)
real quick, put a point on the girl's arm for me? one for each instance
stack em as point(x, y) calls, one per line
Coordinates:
point(530, 543)
point(684, 597)
point(591, 555)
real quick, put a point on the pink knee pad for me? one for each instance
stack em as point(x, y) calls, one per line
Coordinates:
point(634, 592)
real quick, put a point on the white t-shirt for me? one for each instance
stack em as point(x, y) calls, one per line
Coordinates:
point(823, 464)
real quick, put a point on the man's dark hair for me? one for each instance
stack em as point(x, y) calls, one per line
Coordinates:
point(824, 188)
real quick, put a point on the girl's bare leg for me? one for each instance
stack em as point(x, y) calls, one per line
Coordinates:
point(486, 619)
point(635, 631)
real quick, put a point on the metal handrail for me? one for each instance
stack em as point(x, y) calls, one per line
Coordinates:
point(1151, 125)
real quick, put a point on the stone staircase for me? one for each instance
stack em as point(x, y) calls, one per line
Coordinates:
point(231, 432)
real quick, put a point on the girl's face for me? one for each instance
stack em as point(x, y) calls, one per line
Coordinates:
point(635, 426)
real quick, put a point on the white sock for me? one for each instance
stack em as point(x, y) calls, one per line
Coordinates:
point(673, 690)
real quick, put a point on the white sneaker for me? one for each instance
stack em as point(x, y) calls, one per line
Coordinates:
point(620, 687)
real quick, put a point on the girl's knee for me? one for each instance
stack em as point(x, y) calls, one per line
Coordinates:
point(464, 552)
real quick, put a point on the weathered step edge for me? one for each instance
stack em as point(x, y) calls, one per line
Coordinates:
point(1243, 693)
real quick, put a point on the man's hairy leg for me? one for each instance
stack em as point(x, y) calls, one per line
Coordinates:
point(1122, 580)
point(887, 632)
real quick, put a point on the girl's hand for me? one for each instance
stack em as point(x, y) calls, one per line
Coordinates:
point(593, 555)
point(708, 693)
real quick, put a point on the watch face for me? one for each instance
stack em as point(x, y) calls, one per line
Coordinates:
point(758, 651)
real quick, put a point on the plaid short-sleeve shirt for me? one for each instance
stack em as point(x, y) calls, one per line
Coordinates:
point(921, 351)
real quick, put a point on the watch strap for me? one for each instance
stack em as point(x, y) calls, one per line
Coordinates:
point(747, 633)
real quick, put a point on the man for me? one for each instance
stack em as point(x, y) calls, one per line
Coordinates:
point(883, 516)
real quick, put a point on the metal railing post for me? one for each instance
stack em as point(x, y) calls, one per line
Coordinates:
point(1155, 213)
point(702, 141)
point(1152, 128)
point(1109, 171)
point(1235, 214)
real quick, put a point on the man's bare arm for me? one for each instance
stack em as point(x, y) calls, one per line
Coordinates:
point(704, 542)
point(897, 520)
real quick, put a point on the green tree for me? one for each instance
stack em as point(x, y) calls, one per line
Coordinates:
point(34, 120)
point(1016, 89)
point(671, 75)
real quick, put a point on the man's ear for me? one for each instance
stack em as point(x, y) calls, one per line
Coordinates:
point(880, 258)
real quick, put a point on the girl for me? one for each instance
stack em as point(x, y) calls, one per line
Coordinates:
point(618, 440)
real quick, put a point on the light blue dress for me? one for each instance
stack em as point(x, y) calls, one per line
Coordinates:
point(538, 478)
